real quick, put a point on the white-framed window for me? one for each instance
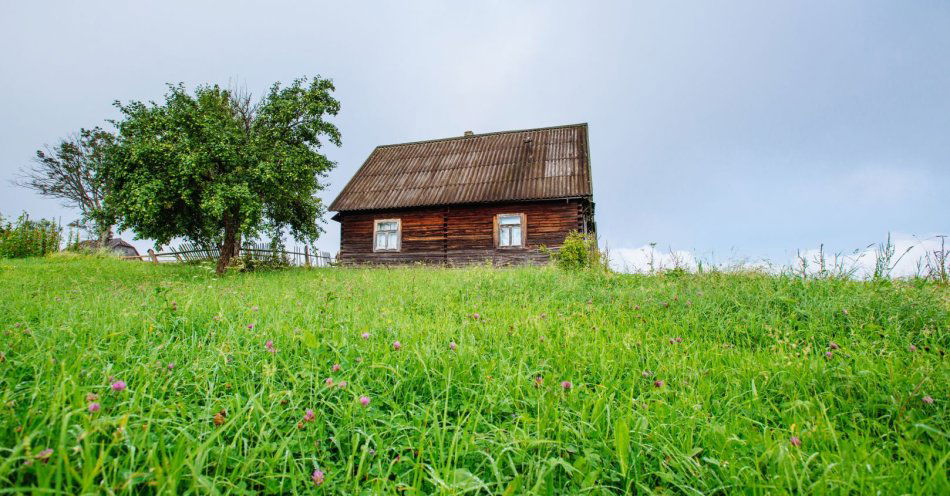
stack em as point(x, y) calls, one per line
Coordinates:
point(509, 230)
point(386, 234)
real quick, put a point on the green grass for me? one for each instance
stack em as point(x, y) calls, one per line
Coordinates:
point(749, 374)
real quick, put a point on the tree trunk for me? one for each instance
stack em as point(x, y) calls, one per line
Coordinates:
point(105, 234)
point(236, 248)
point(232, 241)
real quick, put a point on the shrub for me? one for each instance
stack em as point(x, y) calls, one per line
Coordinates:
point(28, 238)
point(249, 261)
point(579, 252)
point(251, 258)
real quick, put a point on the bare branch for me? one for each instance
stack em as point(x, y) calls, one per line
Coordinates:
point(69, 171)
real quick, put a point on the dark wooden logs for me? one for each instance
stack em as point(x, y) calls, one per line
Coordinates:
point(461, 234)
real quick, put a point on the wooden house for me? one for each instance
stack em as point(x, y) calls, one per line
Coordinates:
point(469, 199)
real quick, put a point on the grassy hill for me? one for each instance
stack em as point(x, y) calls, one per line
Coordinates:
point(677, 384)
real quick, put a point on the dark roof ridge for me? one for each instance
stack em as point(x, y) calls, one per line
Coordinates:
point(492, 133)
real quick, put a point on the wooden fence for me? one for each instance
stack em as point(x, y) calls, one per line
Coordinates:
point(259, 252)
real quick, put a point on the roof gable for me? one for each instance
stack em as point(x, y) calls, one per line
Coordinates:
point(529, 164)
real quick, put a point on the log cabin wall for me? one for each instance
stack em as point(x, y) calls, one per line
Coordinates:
point(462, 234)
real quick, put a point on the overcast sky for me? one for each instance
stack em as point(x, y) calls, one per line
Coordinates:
point(725, 129)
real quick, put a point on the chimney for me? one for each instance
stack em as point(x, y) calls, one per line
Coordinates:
point(469, 133)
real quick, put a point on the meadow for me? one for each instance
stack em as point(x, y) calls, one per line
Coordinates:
point(128, 377)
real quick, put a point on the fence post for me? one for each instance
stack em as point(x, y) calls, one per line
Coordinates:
point(151, 254)
point(306, 255)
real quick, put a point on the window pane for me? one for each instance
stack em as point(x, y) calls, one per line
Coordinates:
point(380, 241)
point(386, 226)
point(515, 236)
point(504, 236)
point(510, 220)
point(392, 241)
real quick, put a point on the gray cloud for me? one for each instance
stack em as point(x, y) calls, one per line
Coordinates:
point(749, 127)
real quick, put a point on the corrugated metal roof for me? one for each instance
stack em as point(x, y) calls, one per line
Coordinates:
point(529, 164)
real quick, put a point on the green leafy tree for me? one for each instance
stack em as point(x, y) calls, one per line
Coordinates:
point(215, 166)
